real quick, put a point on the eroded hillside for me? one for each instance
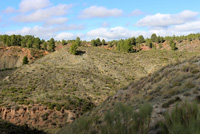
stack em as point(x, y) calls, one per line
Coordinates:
point(62, 82)
point(11, 57)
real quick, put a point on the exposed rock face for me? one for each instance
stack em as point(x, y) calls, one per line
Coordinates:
point(11, 57)
point(36, 116)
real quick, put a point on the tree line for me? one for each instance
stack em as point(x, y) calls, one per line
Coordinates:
point(129, 45)
point(133, 44)
point(28, 41)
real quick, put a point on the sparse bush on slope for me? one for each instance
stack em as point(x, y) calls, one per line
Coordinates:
point(122, 120)
point(184, 119)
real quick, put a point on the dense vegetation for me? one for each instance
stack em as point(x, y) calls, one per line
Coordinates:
point(133, 44)
point(28, 41)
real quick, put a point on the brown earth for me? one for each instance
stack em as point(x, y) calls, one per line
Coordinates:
point(36, 116)
point(11, 57)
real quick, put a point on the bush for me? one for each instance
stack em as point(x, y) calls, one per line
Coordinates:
point(25, 60)
point(124, 120)
point(121, 120)
point(80, 126)
point(183, 119)
point(59, 107)
point(45, 116)
point(73, 49)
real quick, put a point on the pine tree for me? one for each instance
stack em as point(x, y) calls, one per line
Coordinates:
point(25, 60)
point(23, 43)
point(98, 42)
point(52, 45)
point(172, 45)
point(103, 42)
point(153, 37)
point(73, 48)
point(8, 42)
point(63, 42)
point(78, 41)
point(36, 43)
point(45, 46)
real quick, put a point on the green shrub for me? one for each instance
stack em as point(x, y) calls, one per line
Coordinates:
point(73, 48)
point(80, 126)
point(172, 101)
point(25, 60)
point(124, 120)
point(51, 106)
point(184, 119)
point(59, 107)
point(195, 71)
point(45, 116)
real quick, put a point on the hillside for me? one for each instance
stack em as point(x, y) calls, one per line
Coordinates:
point(163, 90)
point(11, 57)
point(60, 87)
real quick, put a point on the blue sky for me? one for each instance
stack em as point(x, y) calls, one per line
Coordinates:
point(89, 19)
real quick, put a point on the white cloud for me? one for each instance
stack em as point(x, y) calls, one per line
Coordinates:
point(105, 24)
point(67, 36)
point(161, 20)
point(28, 5)
point(44, 14)
point(45, 32)
point(53, 21)
point(110, 34)
point(95, 11)
point(136, 12)
point(115, 33)
point(191, 26)
point(123, 33)
point(9, 10)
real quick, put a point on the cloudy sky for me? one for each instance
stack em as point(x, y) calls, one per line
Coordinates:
point(91, 19)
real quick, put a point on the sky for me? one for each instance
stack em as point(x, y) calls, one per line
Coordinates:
point(104, 19)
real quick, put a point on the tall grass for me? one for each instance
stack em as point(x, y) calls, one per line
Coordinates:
point(124, 120)
point(184, 119)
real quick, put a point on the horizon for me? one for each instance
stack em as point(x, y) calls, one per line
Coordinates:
point(112, 20)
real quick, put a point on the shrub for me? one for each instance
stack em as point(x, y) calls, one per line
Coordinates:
point(195, 71)
point(25, 60)
point(45, 116)
point(121, 120)
point(80, 126)
point(183, 119)
point(59, 107)
point(124, 120)
point(51, 106)
point(172, 101)
point(73, 49)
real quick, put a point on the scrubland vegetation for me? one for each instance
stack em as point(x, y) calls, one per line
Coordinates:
point(127, 86)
